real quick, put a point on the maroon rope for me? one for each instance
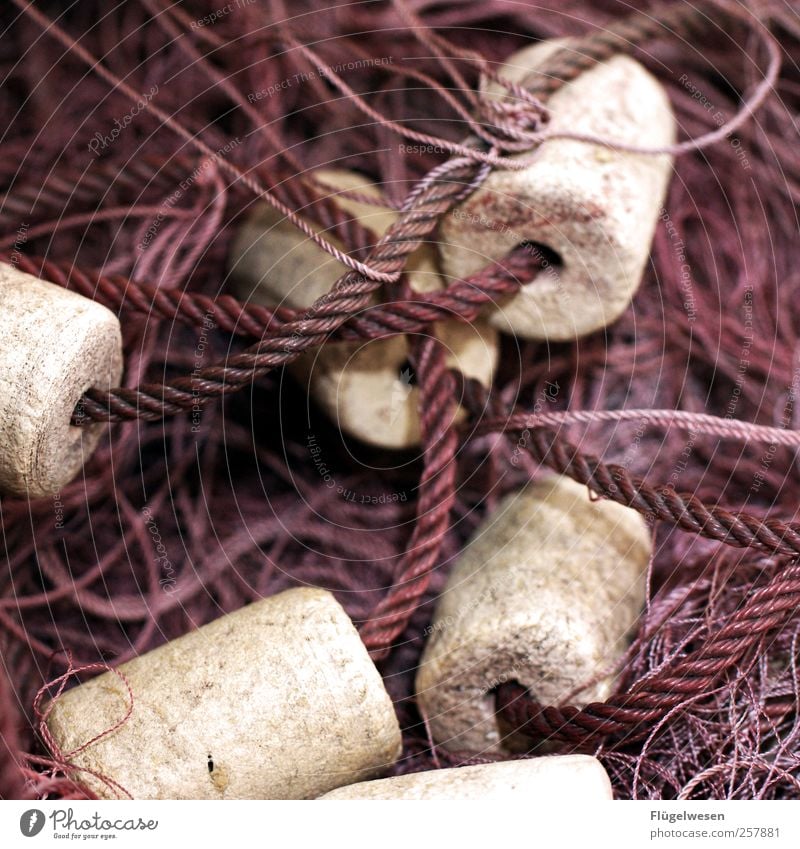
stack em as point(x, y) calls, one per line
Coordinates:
point(11, 782)
point(461, 301)
point(436, 496)
point(437, 488)
point(352, 293)
point(685, 511)
point(629, 716)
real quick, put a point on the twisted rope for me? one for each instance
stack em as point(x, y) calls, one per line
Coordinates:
point(630, 716)
point(461, 301)
point(436, 496)
point(682, 510)
point(351, 293)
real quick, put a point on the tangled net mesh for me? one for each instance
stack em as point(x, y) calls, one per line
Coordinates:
point(178, 520)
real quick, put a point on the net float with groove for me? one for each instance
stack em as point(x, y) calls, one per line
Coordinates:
point(56, 344)
point(545, 594)
point(365, 387)
point(579, 778)
point(279, 700)
point(586, 212)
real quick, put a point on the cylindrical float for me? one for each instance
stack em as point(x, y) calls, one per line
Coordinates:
point(587, 213)
point(367, 388)
point(538, 781)
point(55, 345)
point(545, 594)
point(278, 700)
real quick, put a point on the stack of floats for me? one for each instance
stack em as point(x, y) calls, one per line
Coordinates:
point(281, 699)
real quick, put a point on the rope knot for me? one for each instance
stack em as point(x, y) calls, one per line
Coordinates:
point(512, 121)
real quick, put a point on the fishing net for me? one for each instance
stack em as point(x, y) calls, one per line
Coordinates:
point(137, 138)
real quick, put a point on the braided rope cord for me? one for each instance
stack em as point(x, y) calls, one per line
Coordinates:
point(391, 615)
point(461, 301)
point(82, 188)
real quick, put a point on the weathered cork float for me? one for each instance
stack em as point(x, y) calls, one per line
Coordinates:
point(56, 346)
